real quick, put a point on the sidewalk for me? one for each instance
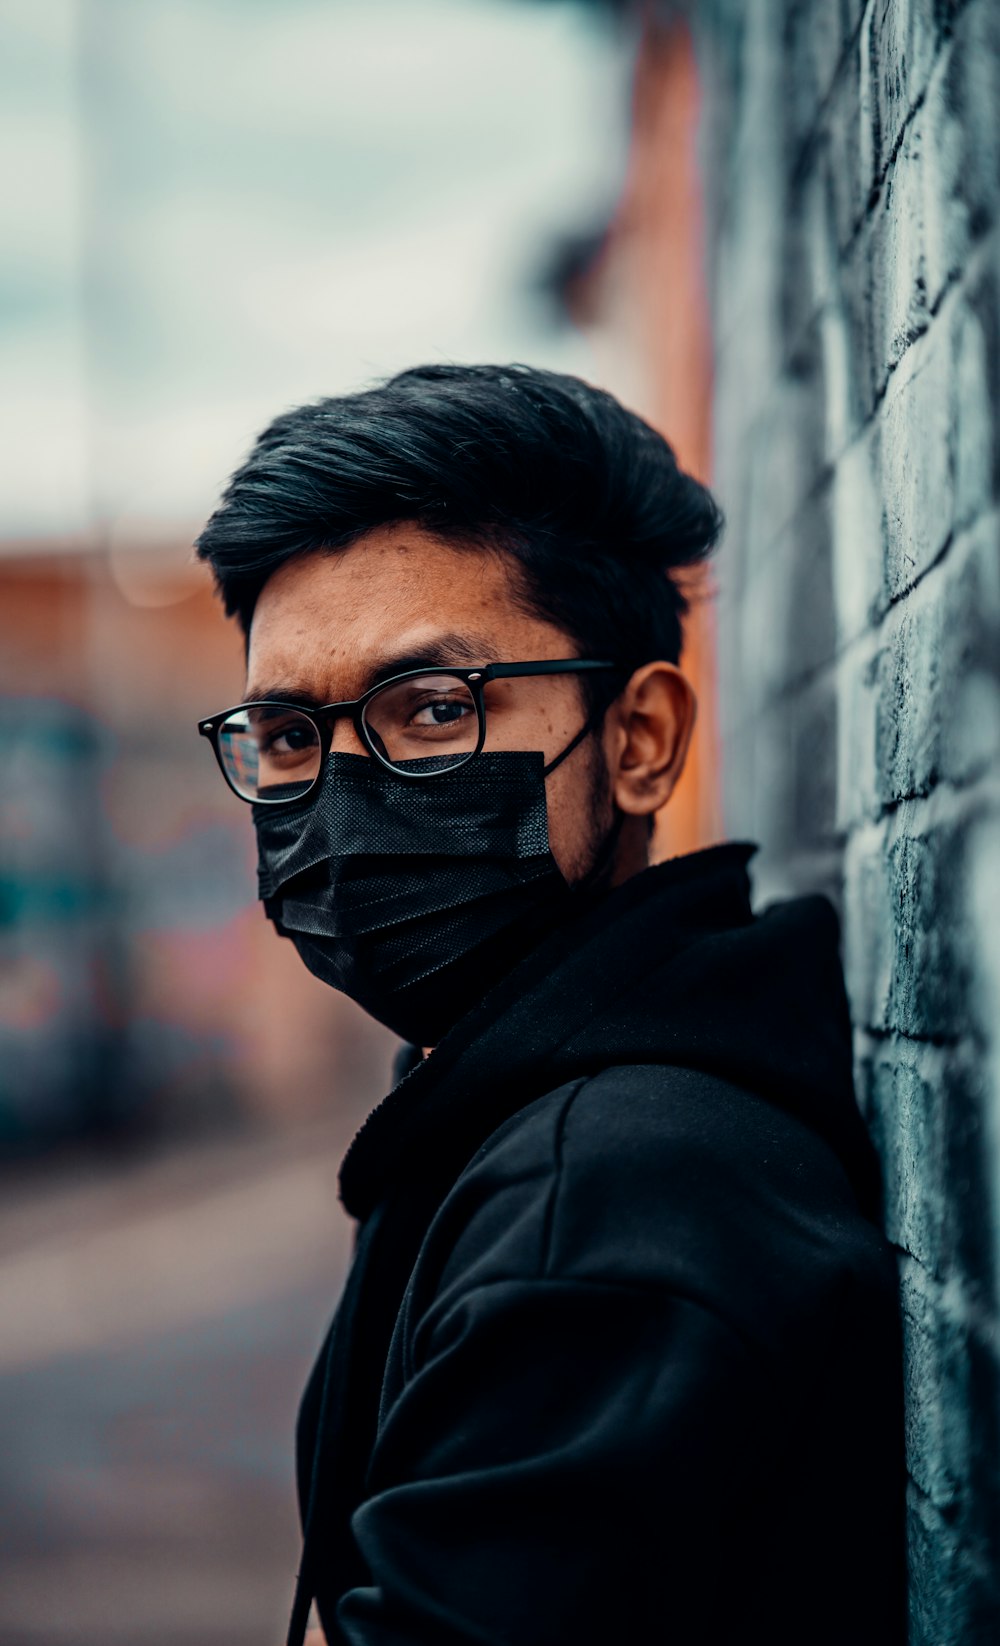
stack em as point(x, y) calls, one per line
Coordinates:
point(158, 1321)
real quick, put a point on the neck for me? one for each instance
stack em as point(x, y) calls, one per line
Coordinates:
point(632, 853)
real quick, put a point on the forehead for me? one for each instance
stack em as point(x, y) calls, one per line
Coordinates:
point(324, 620)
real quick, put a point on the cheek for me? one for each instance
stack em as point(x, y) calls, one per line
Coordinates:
point(579, 810)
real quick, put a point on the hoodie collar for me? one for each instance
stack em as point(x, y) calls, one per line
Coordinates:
point(565, 1010)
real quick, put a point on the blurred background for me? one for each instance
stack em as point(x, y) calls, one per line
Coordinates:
point(774, 230)
point(213, 210)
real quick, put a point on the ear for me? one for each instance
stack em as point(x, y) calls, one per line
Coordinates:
point(650, 728)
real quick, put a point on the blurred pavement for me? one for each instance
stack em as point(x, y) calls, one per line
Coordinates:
point(158, 1322)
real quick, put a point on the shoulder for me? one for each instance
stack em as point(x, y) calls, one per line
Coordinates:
point(662, 1178)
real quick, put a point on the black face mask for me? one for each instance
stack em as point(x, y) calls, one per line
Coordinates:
point(415, 897)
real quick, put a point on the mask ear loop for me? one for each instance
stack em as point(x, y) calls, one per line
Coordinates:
point(610, 841)
point(589, 725)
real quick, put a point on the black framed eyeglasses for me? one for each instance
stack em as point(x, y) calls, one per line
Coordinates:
point(420, 724)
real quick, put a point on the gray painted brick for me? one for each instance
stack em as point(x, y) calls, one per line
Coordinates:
point(805, 78)
point(976, 343)
point(845, 132)
point(858, 379)
point(770, 749)
point(936, 1369)
point(924, 1106)
point(860, 320)
point(954, 1572)
point(815, 38)
point(938, 714)
point(917, 477)
point(906, 1107)
point(856, 506)
point(963, 147)
point(945, 212)
point(931, 967)
point(898, 291)
point(938, 1596)
point(868, 927)
point(907, 945)
point(968, 1231)
point(809, 637)
point(857, 705)
point(903, 41)
point(972, 89)
point(808, 267)
point(814, 762)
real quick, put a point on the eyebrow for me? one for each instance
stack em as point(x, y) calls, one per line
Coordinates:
point(440, 651)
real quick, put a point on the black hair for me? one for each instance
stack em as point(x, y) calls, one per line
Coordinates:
point(585, 497)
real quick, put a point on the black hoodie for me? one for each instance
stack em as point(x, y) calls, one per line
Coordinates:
point(618, 1356)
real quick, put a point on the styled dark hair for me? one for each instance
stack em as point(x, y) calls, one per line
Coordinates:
point(585, 498)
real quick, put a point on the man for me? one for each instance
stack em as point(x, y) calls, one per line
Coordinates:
point(617, 1357)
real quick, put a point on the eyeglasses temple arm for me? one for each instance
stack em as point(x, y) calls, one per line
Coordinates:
point(569, 665)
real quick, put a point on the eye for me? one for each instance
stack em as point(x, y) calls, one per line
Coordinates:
point(443, 711)
point(429, 709)
point(291, 739)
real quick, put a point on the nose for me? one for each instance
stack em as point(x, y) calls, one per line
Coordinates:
point(345, 739)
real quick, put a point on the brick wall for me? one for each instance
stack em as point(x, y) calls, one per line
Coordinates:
point(852, 162)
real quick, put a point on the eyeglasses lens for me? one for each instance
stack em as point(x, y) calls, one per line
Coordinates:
point(273, 753)
point(431, 718)
point(269, 753)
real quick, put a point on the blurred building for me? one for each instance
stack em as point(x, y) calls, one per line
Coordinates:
point(636, 287)
point(141, 986)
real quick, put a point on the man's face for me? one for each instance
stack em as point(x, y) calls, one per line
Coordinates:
point(329, 625)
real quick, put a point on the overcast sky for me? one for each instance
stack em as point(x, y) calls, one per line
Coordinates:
point(214, 209)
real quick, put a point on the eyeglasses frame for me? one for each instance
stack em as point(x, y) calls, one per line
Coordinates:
point(322, 718)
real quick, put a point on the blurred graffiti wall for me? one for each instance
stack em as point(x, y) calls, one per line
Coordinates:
point(140, 986)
